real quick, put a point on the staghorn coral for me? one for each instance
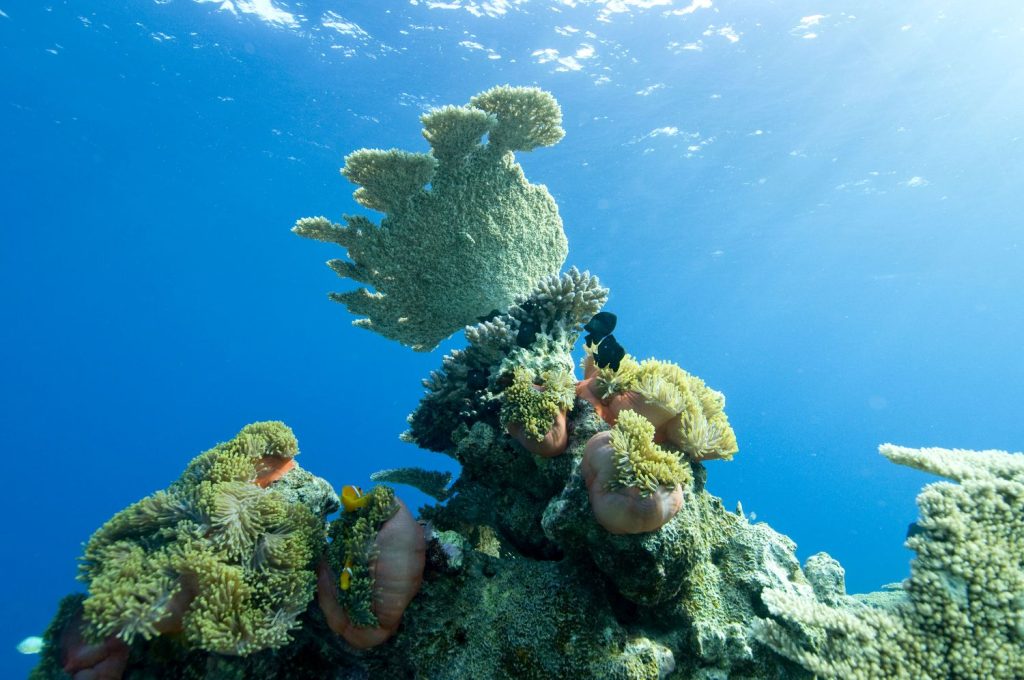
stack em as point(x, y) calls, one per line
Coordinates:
point(480, 236)
point(960, 614)
point(216, 556)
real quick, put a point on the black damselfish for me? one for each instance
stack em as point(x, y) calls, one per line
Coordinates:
point(600, 326)
point(609, 353)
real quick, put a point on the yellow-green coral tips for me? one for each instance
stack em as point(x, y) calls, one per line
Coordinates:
point(685, 412)
point(525, 403)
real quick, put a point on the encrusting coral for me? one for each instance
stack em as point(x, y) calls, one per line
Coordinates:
point(480, 236)
point(961, 613)
point(216, 557)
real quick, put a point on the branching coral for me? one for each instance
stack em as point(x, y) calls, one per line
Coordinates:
point(480, 236)
point(962, 615)
point(537, 334)
point(215, 556)
point(431, 482)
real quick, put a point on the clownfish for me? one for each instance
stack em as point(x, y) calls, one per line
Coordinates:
point(346, 575)
point(352, 498)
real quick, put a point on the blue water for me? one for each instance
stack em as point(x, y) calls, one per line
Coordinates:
point(814, 206)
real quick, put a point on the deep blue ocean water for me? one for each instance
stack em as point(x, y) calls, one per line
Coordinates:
point(815, 206)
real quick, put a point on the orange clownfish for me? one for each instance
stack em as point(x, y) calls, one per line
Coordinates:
point(352, 498)
point(346, 575)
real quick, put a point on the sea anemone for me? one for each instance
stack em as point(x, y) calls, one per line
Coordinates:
point(685, 413)
point(635, 486)
point(376, 565)
point(533, 412)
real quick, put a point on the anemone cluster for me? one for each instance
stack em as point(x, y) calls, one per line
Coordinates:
point(477, 238)
point(224, 555)
point(685, 412)
point(534, 339)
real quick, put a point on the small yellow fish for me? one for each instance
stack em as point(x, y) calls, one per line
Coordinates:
point(346, 575)
point(352, 498)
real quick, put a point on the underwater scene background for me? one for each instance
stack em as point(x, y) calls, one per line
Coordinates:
point(814, 206)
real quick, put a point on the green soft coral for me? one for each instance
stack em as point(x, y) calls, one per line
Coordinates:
point(480, 236)
point(639, 461)
point(240, 555)
point(699, 426)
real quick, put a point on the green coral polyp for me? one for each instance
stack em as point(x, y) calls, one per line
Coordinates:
point(640, 462)
point(480, 236)
point(352, 538)
point(227, 562)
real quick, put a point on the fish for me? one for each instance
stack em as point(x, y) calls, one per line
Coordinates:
point(33, 644)
point(345, 580)
point(493, 314)
point(913, 529)
point(353, 498)
point(476, 379)
point(527, 334)
point(609, 353)
point(600, 326)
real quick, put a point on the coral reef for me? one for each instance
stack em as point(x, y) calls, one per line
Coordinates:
point(578, 539)
point(480, 236)
point(961, 612)
point(537, 334)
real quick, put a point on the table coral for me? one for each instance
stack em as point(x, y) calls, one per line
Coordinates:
point(962, 610)
point(477, 238)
